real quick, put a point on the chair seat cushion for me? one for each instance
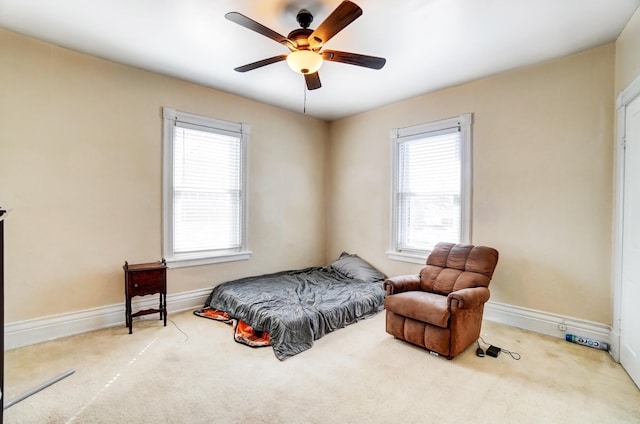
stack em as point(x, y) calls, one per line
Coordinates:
point(423, 306)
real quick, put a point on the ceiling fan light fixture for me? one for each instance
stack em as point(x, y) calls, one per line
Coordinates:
point(304, 61)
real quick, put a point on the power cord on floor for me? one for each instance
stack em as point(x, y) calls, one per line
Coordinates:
point(186, 336)
point(495, 350)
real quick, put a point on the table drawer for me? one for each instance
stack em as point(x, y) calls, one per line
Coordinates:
point(146, 282)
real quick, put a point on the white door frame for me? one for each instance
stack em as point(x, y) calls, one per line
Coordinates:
point(624, 98)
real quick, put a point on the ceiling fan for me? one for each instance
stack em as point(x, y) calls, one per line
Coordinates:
point(305, 44)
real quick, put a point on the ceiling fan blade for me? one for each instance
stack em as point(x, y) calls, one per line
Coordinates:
point(261, 63)
point(249, 23)
point(354, 59)
point(313, 81)
point(342, 16)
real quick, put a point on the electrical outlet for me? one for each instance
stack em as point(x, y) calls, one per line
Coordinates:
point(562, 327)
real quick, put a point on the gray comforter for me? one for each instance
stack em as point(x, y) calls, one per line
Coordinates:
point(297, 307)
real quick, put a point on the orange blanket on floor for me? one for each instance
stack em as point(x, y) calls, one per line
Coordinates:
point(242, 332)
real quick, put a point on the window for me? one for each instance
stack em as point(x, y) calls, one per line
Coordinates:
point(431, 187)
point(204, 189)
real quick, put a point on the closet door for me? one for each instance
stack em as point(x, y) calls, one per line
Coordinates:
point(630, 274)
point(2, 216)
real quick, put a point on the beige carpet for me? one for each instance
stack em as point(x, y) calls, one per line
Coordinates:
point(355, 375)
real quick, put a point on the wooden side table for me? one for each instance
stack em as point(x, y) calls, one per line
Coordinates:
point(142, 280)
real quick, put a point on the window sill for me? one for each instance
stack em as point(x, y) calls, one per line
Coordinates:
point(187, 262)
point(408, 257)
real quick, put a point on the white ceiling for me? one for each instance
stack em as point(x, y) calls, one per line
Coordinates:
point(428, 44)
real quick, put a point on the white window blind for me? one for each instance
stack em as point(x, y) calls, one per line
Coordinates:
point(431, 193)
point(207, 191)
point(205, 194)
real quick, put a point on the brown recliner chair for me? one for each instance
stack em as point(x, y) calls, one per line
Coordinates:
point(441, 308)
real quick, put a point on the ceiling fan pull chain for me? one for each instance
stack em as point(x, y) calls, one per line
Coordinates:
point(304, 107)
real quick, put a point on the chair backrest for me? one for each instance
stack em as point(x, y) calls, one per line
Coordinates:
point(452, 267)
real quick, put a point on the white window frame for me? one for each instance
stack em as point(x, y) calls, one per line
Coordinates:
point(463, 124)
point(175, 259)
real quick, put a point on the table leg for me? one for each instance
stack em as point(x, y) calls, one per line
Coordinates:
point(128, 317)
point(164, 307)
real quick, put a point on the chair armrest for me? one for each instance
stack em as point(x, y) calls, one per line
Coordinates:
point(401, 284)
point(467, 298)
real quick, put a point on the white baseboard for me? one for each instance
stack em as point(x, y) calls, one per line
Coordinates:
point(39, 330)
point(545, 323)
point(24, 333)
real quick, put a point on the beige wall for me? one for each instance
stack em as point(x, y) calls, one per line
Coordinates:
point(628, 53)
point(542, 180)
point(80, 165)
